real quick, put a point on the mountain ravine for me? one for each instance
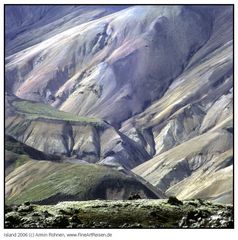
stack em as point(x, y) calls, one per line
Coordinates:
point(120, 102)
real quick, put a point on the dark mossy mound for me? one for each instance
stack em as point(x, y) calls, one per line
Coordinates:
point(59, 182)
point(142, 213)
point(12, 145)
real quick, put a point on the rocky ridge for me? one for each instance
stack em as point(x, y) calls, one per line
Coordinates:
point(121, 214)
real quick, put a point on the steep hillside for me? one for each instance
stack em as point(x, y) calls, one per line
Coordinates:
point(17, 153)
point(121, 59)
point(192, 124)
point(148, 88)
point(77, 138)
point(21, 22)
point(37, 177)
point(199, 168)
point(47, 182)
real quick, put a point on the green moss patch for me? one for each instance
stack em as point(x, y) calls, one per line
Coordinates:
point(67, 182)
point(35, 110)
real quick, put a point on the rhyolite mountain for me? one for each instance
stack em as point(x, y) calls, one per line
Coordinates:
point(40, 178)
point(145, 90)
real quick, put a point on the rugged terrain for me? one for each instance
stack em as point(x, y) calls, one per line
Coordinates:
point(121, 214)
point(34, 176)
point(82, 139)
point(105, 102)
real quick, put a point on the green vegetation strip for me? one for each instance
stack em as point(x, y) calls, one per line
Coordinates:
point(77, 180)
point(35, 110)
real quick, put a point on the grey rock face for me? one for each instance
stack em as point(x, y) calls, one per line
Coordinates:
point(85, 142)
point(135, 73)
